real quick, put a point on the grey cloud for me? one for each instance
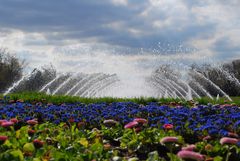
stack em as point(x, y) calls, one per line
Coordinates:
point(224, 49)
point(88, 20)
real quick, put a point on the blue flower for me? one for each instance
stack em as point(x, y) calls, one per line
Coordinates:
point(213, 132)
point(223, 132)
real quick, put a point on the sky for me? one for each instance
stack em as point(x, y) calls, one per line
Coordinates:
point(118, 36)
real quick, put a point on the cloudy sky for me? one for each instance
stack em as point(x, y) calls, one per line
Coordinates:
point(87, 33)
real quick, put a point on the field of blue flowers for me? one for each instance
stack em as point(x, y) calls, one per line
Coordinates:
point(118, 131)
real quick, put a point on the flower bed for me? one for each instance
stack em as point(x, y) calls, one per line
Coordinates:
point(118, 131)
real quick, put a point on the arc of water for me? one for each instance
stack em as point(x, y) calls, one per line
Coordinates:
point(179, 87)
point(175, 95)
point(176, 86)
point(156, 85)
point(213, 84)
point(169, 84)
point(77, 84)
point(191, 89)
point(13, 86)
point(161, 88)
point(202, 89)
point(91, 83)
point(166, 95)
point(166, 85)
point(188, 87)
point(105, 81)
point(19, 81)
point(64, 83)
point(104, 87)
point(231, 77)
point(49, 83)
point(217, 98)
point(91, 80)
point(102, 82)
point(162, 85)
point(86, 92)
point(166, 88)
point(48, 92)
point(189, 94)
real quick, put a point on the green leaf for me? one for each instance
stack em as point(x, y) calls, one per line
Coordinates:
point(153, 156)
point(97, 147)
point(36, 159)
point(173, 157)
point(218, 158)
point(28, 147)
point(84, 142)
point(12, 155)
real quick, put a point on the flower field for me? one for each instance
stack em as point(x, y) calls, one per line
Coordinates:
point(118, 131)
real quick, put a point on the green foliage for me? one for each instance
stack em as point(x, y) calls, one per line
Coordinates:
point(10, 69)
point(34, 97)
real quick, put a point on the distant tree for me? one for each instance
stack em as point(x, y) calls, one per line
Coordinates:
point(226, 76)
point(11, 69)
point(203, 76)
point(37, 79)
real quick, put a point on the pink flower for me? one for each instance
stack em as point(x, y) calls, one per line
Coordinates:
point(141, 120)
point(231, 134)
point(168, 126)
point(110, 121)
point(227, 140)
point(7, 124)
point(191, 147)
point(14, 120)
point(1, 121)
point(169, 139)
point(131, 125)
point(32, 122)
point(38, 143)
point(3, 138)
point(184, 154)
point(207, 138)
point(138, 129)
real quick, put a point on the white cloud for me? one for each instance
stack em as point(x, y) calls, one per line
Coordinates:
point(120, 2)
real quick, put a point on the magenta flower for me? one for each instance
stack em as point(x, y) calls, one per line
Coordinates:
point(131, 125)
point(184, 154)
point(169, 139)
point(168, 126)
point(7, 124)
point(141, 120)
point(227, 140)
